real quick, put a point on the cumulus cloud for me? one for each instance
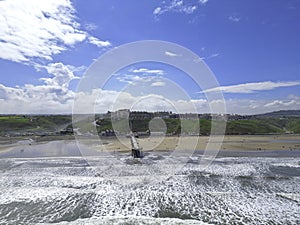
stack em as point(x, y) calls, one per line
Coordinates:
point(252, 87)
point(158, 84)
point(43, 99)
point(99, 43)
point(31, 29)
point(54, 98)
point(62, 75)
point(35, 99)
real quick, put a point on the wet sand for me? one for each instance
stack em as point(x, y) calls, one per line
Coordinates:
point(247, 142)
point(157, 143)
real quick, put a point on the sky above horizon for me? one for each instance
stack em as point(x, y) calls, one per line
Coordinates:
point(251, 47)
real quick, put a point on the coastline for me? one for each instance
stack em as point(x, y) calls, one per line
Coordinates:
point(230, 143)
point(159, 143)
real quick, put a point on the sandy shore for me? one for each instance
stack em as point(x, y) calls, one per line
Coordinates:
point(251, 142)
point(229, 143)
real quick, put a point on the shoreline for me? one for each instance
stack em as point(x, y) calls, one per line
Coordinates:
point(230, 143)
point(245, 143)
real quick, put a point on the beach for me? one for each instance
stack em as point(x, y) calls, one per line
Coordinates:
point(168, 143)
point(230, 142)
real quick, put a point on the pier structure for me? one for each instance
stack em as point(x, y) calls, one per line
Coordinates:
point(136, 151)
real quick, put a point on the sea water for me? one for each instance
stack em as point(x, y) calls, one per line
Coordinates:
point(74, 190)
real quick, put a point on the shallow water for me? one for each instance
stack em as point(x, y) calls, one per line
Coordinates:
point(73, 190)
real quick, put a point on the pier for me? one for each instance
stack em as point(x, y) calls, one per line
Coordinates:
point(136, 151)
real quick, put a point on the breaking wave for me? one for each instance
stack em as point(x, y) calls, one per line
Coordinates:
point(67, 190)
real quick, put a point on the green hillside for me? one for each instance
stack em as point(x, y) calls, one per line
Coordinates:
point(293, 125)
point(281, 114)
point(36, 124)
point(26, 123)
point(252, 127)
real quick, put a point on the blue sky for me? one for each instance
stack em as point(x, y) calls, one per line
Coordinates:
point(252, 47)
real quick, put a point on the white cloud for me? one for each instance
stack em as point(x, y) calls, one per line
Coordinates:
point(90, 26)
point(35, 99)
point(148, 71)
point(171, 54)
point(178, 6)
point(31, 29)
point(214, 55)
point(280, 103)
point(62, 75)
point(158, 84)
point(294, 97)
point(189, 9)
point(252, 87)
point(140, 75)
point(53, 97)
point(74, 69)
point(157, 11)
point(99, 43)
point(234, 19)
point(130, 79)
point(257, 106)
point(203, 2)
point(136, 80)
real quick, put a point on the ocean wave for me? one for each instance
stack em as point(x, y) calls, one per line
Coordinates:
point(288, 164)
point(132, 220)
point(290, 196)
point(238, 191)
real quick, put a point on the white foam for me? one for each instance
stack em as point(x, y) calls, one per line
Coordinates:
point(23, 194)
point(288, 164)
point(218, 199)
point(133, 220)
point(290, 196)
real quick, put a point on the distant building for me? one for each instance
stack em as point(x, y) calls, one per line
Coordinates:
point(189, 116)
point(120, 114)
point(137, 115)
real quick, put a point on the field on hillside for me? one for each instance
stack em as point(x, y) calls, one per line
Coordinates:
point(55, 123)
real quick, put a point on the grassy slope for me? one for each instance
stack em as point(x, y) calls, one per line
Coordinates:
point(33, 123)
point(294, 125)
point(252, 127)
point(257, 126)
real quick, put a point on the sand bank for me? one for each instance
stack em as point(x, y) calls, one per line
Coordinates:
point(236, 142)
point(157, 143)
